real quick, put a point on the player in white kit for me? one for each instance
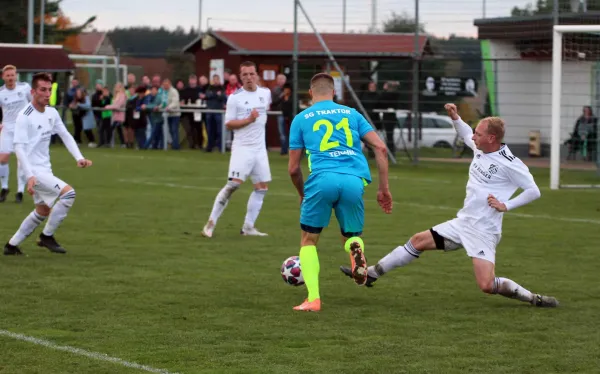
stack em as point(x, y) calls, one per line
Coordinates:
point(246, 116)
point(53, 198)
point(495, 175)
point(14, 96)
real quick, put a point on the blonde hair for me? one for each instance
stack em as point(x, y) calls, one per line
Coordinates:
point(8, 67)
point(495, 126)
point(118, 88)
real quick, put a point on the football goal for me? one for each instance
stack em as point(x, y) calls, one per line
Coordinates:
point(574, 140)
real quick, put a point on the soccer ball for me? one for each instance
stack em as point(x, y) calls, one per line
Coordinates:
point(291, 271)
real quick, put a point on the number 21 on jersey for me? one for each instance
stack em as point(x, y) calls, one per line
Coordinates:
point(342, 125)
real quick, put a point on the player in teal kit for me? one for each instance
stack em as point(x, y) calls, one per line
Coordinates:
point(331, 134)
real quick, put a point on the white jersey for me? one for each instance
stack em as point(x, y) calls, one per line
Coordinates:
point(12, 102)
point(34, 130)
point(239, 106)
point(499, 174)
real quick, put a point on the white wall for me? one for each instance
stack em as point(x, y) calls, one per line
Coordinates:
point(524, 93)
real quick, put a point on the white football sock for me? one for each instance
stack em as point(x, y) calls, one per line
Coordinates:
point(510, 289)
point(4, 170)
point(21, 180)
point(400, 256)
point(29, 224)
point(59, 212)
point(255, 203)
point(222, 200)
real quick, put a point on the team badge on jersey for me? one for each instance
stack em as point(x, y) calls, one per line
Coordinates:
point(493, 169)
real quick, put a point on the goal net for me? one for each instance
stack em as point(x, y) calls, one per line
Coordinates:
point(574, 140)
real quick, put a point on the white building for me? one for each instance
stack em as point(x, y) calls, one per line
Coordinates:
point(517, 53)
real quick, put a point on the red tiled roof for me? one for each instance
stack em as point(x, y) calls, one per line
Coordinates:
point(36, 58)
point(89, 42)
point(341, 44)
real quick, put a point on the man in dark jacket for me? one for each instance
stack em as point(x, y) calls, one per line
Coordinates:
point(215, 99)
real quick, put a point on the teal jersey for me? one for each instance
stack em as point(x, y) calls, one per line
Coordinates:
point(331, 134)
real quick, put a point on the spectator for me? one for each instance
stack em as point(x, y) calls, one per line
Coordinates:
point(86, 121)
point(118, 106)
point(192, 122)
point(146, 81)
point(97, 103)
point(179, 85)
point(152, 107)
point(138, 120)
point(226, 74)
point(173, 112)
point(233, 85)
point(130, 81)
point(287, 109)
point(203, 83)
point(215, 99)
point(389, 99)
point(104, 126)
point(276, 98)
point(584, 134)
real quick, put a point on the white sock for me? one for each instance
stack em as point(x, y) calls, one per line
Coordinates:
point(4, 170)
point(400, 256)
point(21, 180)
point(222, 200)
point(29, 224)
point(59, 212)
point(510, 289)
point(255, 203)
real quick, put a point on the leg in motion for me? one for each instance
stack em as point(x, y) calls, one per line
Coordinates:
point(4, 173)
point(309, 262)
point(21, 183)
point(487, 281)
point(28, 226)
point(255, 202)
point(219, 205)
point(57, 215)
point(401, 256)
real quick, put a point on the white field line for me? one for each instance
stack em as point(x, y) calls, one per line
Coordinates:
point(426, 206)
point(82, 352)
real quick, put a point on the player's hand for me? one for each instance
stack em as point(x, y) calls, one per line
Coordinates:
point(494, 203)
point(384, 198)
point(84, 163)
point(31, 182)
point(451, 110)
point(254, 115)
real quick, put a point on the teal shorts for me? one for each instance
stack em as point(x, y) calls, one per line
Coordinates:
point(327, 191)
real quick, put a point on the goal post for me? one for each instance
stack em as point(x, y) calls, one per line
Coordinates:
point(557, 135)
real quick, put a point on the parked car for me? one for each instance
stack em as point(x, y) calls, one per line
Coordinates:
point(437, 131)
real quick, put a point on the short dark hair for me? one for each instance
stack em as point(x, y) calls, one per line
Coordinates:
point(37, 77)
point(319, 76)
point(247, 64)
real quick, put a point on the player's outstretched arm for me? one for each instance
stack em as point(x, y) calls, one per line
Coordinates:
point(384, 197)
point(70, 143)
point(464, 131)
point(295, 171)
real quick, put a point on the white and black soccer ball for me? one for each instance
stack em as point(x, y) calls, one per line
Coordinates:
point(291, 271)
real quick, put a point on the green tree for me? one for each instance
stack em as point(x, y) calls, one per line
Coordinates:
point(57, 26)
point(402, 22)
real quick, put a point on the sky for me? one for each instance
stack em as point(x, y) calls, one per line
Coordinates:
point(441, 17)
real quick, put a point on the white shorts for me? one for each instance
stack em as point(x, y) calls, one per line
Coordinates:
point(477, 244)
point(249, 162)
point(47, 189)
point(6, 140)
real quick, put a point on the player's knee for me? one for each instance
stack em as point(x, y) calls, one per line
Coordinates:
point(42, 210)
point(231, 187)
point(422, 241)
point(261, 186)
point(486, 284)
point(4, 158)
point(67, 198)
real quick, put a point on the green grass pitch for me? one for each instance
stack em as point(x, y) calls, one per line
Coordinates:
point(140, 284)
